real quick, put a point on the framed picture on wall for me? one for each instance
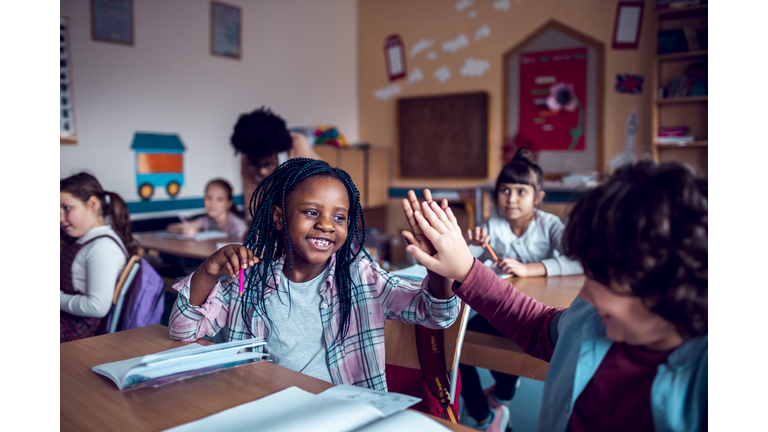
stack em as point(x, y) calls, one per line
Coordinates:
point(226, 28)
point(112, 21)
point(66, 107)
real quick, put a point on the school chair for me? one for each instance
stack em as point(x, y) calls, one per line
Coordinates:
point(402, 358)
point(125, 280)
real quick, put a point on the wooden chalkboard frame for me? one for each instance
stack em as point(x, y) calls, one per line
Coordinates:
point(435, 130)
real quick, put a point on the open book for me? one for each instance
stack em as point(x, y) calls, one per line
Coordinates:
point(179, 363)
point(339, 409)
point(202, 235)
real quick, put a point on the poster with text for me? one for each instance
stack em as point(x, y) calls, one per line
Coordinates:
point(553, 89)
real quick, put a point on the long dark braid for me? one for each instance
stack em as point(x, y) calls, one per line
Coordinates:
point(268, 245)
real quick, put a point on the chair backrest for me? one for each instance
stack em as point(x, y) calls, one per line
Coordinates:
point(125, 280)
point(400, 342)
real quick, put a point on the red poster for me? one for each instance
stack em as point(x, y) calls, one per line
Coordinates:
point(553, 89)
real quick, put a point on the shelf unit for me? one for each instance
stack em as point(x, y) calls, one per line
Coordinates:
point(691, 111)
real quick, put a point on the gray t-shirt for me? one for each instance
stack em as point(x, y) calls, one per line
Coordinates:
point(296, 342)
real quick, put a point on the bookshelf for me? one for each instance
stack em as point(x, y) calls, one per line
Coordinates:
point(682, 102)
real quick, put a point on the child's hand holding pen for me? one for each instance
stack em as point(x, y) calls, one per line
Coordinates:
point(228, 260)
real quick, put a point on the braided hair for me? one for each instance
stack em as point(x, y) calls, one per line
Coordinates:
point(269, 246)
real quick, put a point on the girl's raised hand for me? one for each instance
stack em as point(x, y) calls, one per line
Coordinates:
point(452, 258)
point(228, 260)
point(416, 235)
point(477, 237)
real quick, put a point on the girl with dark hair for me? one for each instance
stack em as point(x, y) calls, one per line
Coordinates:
point(221, 213)
point(527, 241)
point(96, 243)
point(310, 288)
point(631, 352)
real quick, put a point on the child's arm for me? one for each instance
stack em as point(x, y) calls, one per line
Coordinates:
point(560, 265)
point(301, 147)
point(439, 286)
point(515, 267)
point(518, 316)
point(225, 261)
point(190, 318)
point(189, 229)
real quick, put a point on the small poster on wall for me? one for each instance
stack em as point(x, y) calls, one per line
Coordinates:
point(553, 87)
point(66, 110)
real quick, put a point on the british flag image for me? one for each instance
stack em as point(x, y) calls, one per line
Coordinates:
point(626, 83)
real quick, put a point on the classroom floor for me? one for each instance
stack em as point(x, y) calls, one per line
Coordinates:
point(524, 408)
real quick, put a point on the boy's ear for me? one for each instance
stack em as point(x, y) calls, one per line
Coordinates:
point(277, 217)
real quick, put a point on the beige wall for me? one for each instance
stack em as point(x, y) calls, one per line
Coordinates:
point(439, 20)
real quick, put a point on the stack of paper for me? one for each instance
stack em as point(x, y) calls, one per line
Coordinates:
point(339, 409)
point(202, 235)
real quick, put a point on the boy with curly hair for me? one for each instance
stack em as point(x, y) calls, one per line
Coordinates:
point(630, 353)
point(265, 142)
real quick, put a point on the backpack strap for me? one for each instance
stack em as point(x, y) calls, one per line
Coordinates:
point(432, 361)
point(122, 248)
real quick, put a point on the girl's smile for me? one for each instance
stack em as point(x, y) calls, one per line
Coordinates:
point(316, 224)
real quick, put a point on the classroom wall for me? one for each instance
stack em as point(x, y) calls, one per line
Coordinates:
point(299, 57)
point(509, 22)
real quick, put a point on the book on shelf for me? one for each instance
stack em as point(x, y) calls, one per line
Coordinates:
point(675, 139)
point(179, 363)
point(341, 408)
point(202, 235)
point(692, 38)
point(673, 131)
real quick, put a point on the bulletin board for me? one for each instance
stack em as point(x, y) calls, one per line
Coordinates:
point(543, 128)
point(443, 136)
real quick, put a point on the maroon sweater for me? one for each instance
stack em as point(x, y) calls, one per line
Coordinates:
point(618, 397)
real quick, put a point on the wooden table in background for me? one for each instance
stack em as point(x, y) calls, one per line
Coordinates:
point(503, 355)
point(154, 240)
point(89, 402)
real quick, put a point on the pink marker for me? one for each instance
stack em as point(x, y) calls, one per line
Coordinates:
point(242, 277)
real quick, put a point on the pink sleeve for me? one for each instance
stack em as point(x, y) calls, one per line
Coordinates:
point(189, 322)
point(519, 317)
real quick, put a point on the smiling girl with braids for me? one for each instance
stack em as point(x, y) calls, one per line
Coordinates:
point(314, 293)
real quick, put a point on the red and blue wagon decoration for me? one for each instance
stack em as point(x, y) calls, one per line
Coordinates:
point(159, 163)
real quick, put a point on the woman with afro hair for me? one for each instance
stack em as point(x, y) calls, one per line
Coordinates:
point(265, 142)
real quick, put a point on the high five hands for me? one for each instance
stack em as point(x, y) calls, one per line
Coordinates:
point(436, 240)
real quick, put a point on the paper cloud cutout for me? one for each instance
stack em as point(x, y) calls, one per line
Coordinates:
point(443, 74)
point(456, 44)
point(387, 92)
point(474, 67)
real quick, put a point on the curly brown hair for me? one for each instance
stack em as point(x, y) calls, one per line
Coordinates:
point(646, 227)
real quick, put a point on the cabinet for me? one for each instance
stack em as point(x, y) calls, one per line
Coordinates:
point(670, 110)
point(368, 168)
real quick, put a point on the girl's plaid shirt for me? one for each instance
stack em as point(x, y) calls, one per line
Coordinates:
point(358, 359)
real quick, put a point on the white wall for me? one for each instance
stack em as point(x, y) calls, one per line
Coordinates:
point(299, 57)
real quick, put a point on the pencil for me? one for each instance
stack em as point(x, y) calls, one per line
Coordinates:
point(242, 277)
point(183, 219)
point(493, 254)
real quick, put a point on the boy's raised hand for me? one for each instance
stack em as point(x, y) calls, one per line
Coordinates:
point(451, 258)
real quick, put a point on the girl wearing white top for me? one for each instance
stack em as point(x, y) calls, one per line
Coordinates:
point(95, 245)
point(527, 243)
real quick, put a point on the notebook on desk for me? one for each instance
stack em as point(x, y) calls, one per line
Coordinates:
point(202, 235)
point(338, 409)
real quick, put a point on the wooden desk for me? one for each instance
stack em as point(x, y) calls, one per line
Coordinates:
point(89, 402)
point(503, 355)
point(182, 248)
